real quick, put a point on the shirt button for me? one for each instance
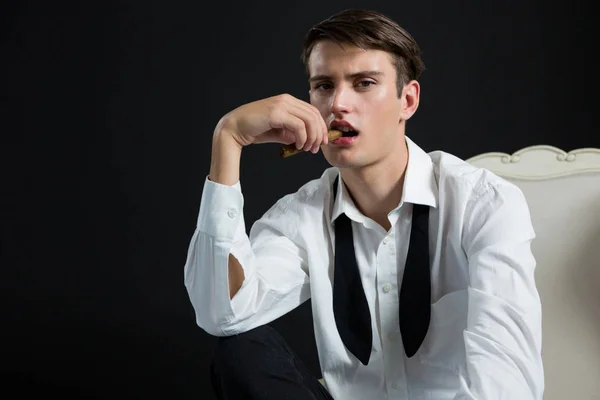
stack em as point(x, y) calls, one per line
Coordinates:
point(387, 287)
point(386, 240)
point(392, 336)
point(232, 213)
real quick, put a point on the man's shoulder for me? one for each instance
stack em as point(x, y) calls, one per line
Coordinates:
point(308, 197)
point(458, 174)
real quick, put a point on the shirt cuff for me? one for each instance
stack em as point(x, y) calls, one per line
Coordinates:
point(221, 210)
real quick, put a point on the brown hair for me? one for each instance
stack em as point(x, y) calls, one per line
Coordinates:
point(369, 30)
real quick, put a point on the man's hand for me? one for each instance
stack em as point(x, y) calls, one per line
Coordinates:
point(280, 119)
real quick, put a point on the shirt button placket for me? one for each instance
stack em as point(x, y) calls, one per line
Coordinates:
point(393, 344)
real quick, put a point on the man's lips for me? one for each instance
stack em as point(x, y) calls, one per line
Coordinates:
point(344, 140)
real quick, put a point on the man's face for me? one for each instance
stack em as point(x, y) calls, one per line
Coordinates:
point(356, 87)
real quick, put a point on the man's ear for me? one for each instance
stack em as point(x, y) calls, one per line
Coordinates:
point(409, 99)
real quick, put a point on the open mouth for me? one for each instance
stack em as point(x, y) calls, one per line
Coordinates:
point(349, 136)
point(349, 133)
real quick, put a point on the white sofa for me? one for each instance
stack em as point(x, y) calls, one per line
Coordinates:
point(563, 193)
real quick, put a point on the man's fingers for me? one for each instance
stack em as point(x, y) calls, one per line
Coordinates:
point(314, 126)
point(283, 119)
point(301, 118)
point(318, 117)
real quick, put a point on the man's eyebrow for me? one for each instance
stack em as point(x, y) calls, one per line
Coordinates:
point(348, 76)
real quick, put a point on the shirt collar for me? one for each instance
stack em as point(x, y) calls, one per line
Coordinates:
point(420, 185)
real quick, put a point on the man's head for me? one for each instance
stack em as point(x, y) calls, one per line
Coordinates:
point(369, 30)
point(363, 70)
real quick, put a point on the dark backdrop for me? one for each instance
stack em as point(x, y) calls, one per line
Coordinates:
point(107, 113)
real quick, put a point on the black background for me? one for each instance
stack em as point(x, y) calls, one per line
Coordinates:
point(106, 116)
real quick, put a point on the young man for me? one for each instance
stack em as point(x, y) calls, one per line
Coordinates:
point(418, 265)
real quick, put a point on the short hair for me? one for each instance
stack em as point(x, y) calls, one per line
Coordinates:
point(368, 29)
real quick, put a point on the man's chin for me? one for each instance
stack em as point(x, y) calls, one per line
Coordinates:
point(342, 162)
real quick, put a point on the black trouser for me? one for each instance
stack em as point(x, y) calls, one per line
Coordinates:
point(259, 365)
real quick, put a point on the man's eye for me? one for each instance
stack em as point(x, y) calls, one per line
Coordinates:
point(365, 83)
point(323, 86)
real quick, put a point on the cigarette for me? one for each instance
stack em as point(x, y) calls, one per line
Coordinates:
point(290, 149)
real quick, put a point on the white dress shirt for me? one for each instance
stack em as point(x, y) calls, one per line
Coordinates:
point(484, 340)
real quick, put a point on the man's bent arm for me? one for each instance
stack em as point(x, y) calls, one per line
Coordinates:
point(503, 335)
point(235, 284)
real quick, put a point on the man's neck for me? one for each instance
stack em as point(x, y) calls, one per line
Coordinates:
point(377, 189)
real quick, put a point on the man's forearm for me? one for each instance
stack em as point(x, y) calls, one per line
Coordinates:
point(225, 159)
point(225, 169)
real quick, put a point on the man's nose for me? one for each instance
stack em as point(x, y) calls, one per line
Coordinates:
point(341, 101)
